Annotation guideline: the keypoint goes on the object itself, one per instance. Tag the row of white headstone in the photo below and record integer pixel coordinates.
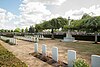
(11, 40)
(39, 36)
(95, 59)
(28, 38)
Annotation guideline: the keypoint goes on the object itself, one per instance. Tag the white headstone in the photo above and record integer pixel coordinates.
(35, 47)
(34, 39)
(14, 41)
(71, 57)
(44, 48)
(95, 61)
(55, 53)
(11, 40)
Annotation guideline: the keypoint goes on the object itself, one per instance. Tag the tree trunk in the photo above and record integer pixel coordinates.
(52, 37)
(95, 37)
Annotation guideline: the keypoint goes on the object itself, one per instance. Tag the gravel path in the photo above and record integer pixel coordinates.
(22, 51)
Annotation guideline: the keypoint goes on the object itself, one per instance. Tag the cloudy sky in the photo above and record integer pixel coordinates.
(23, 13)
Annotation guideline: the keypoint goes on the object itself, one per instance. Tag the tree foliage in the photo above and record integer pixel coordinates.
(88, 24)
(31, 29)
(38, 27)
(22, 30)
(52, 24)
(26, 30)
(17, 30)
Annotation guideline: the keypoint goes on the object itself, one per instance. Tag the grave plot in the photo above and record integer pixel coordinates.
(26, 38)
(44, 53)
(11, 41)
(54, 60)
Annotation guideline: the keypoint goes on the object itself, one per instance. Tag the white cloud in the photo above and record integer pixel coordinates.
(6, 19)
(34, 7)
(77, 14)
(2, 10)
(50, 2)
(32, 13)
(52, 16)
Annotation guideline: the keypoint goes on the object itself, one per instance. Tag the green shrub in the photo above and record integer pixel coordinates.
(80, 63)
(7, 41)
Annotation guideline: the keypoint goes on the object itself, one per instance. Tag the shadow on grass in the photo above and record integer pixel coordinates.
(49, 60)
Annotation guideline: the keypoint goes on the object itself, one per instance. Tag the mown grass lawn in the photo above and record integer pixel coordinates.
(85, 49)
(7, 59)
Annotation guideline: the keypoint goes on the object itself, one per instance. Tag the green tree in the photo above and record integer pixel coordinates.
(39, 27)
(31, 29)
(8, 31)
(17, 30)
(22, 30)
(62, 22)
(54, 24)
(45, 25)
(12, 31)
(93, 25)
(5, 30)
(88, 24)
(26, 30)
(85, 16)
(2, 30)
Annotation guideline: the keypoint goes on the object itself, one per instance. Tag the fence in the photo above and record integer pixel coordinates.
(95, 59)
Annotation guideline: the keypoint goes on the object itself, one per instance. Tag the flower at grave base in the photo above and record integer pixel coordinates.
(80, 63)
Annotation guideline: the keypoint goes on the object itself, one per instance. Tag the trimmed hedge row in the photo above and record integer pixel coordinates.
(77, 37)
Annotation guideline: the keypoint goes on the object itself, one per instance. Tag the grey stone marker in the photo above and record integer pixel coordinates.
(95, 61)
(55, 53)
(71, 57)
(36, 47)
(44, 48)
